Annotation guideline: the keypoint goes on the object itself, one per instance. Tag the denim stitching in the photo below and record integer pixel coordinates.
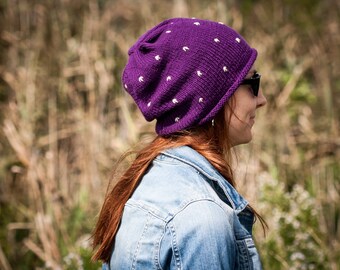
(147, 208)
(240, 207)
(244, 258)
(174, 246)
(134, 261)
(158, 250)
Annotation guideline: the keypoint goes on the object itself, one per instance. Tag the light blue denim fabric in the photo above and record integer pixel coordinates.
(184, 215)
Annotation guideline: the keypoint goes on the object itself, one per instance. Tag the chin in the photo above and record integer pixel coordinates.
(242, 140)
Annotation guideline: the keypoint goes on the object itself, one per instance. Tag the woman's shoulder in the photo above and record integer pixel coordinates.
(201, 234)
(170, 185)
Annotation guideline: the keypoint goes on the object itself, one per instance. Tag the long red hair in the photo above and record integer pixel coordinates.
(210, 140)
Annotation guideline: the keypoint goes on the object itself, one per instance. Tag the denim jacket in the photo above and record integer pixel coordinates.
(184, 215)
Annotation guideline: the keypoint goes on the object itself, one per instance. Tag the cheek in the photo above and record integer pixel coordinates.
(242, 115)
(242, 122)
(245, 104)
(240, 127)
(243, 110)
(239, 122)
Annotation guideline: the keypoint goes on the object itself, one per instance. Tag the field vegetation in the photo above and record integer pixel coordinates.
(65, 120)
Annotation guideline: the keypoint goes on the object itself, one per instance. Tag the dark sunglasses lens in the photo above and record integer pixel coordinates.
(254, 82)
(255, 86)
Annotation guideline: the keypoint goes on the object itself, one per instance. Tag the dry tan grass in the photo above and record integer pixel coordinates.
(65, 120)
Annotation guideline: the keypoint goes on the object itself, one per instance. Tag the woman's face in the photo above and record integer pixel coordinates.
(243, 112)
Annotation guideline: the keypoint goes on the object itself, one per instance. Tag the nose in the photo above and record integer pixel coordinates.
(261, 99)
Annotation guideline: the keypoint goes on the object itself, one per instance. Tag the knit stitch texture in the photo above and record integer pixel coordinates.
(183, 71)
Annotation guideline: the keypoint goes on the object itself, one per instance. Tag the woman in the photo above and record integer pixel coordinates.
(176, 207)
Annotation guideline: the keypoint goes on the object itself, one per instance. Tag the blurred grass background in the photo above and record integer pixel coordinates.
(64, 121)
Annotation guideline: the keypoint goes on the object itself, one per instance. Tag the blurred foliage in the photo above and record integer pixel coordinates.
(64, 121)
(295, 239)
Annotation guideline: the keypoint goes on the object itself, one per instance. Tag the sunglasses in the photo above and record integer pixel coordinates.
(254, 82)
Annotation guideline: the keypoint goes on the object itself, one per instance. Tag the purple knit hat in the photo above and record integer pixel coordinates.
(183, 71)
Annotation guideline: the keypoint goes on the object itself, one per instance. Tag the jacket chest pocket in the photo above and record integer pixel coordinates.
(248, 257)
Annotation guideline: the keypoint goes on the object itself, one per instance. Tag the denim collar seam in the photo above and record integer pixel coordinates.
(239, 208)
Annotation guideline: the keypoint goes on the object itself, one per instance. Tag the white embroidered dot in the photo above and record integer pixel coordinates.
(172, 23)
(174, 101)
(185, 48)
(141, 79)
(225, 69)
(220, 22)
(200, 100)
(176, 119)
(168, 32)
(238, 40)
(157, 57)
(168, 78)
(197, 23)
(125, 86)
(149, 104)
(199, 73)
(216, 40)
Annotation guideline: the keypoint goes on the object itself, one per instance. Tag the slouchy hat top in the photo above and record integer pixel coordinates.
(183, 71)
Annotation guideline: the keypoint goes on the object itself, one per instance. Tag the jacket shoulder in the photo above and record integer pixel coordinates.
(169, 185)
(206, 230)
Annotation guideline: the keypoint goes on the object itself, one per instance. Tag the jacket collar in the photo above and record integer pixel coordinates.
(201, 164)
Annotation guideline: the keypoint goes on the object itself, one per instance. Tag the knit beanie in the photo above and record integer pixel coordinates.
(183, 71)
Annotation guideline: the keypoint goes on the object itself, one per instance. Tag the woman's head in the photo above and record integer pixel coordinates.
(241, 109)
(183, 71)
